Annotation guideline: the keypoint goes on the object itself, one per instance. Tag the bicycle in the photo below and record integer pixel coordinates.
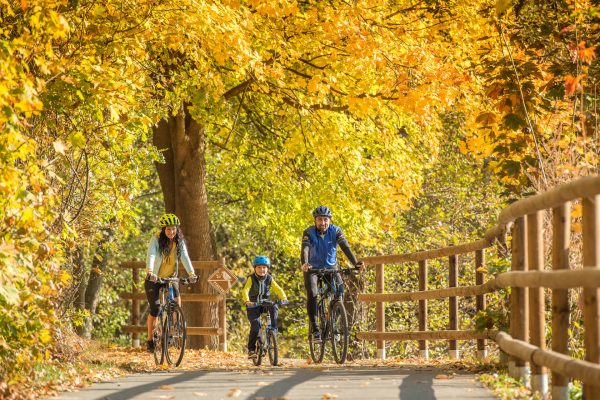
(331, 317)
(170, 331)
(266, 343)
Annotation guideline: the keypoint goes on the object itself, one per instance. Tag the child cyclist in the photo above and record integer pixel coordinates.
(257, 289)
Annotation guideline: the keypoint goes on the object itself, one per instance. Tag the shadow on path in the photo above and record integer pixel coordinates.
(147, 387)
(417, 384)
(280, 388)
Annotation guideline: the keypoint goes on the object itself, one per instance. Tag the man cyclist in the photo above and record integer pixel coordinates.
(319, 251)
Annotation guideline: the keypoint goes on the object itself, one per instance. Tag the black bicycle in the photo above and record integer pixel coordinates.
(331, 317)
(266, 343)
(170, 331)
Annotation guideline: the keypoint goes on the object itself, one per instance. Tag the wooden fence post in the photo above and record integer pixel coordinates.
(453, 352)
(380, 308)
(591, 311)
(519, 315)
(135, 308)
(561, 237)
(222, 306)
(537, 319)
(423, 345)
(480, 298)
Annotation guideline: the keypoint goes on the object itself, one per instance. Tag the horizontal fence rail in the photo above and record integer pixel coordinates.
(523, 221)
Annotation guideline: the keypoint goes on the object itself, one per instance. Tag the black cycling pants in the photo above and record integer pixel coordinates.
(253, 314)
(310, 284)
(152, 292)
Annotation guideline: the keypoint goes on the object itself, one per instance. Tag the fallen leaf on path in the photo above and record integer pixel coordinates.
(166, 387)
(442, 376)
(235, 392)
(262, 384)
(200, 394)
(328, 386)
(328, 396)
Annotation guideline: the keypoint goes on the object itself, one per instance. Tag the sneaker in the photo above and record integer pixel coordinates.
(251, 354)
(150, 346)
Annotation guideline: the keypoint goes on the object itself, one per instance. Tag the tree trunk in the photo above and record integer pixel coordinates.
(95, 282)
(182, 179)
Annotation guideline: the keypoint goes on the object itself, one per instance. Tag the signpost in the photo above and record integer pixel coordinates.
(222, 280)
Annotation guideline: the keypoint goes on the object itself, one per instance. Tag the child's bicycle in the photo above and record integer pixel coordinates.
(331, 317)
(170, 331)
(266, 343)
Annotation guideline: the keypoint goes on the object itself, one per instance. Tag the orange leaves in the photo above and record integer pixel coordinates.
(584, 54)
(572, 84)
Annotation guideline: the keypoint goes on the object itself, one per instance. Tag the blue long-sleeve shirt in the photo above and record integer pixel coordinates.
(319, 249)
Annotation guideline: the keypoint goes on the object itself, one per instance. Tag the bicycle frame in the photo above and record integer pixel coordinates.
(169, 330)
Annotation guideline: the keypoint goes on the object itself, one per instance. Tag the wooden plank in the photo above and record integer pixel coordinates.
(427, 255)
(480, 299)
(537, 321)
(453, 305)
(185, 297)
(591, 309)
(191, 330)
(584, 371)
(519, 316)
(380, 308)
(581, 188)
(417, 335)
(423, 278)
(459, 291)
(561, 238)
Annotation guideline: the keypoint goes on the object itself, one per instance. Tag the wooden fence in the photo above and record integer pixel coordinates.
(138, 295)
(525, 342)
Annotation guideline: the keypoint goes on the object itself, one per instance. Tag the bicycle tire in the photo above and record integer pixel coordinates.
(158, 339)
(339, 332)
(317, 349)
(175, 334)
(259, 349)
(272, 347)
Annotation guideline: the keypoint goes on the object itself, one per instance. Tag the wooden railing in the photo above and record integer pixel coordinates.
(525, 342)
(138, 295)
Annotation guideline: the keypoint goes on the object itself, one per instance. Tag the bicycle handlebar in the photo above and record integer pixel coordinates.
(324, 272)
(269, 303)
(183, 281)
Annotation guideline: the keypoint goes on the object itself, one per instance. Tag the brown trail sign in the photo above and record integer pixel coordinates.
(222, 280)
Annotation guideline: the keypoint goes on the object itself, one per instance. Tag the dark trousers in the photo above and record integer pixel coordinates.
(310, 284)
(254, 318)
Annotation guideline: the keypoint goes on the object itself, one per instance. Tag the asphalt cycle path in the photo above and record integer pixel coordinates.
(291, 383)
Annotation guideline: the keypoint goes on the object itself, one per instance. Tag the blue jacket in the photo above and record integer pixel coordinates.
(154, 258)
(322, 248)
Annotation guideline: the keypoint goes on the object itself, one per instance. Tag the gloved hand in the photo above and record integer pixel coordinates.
(193, 278)
(306, 267)
(250, 304)
(152, 277)
(284, 302)
(360, 265)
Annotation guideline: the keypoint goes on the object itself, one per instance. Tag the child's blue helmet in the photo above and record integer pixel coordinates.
(261, 260)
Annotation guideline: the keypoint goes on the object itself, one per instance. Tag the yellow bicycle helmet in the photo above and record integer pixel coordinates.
(168, 220)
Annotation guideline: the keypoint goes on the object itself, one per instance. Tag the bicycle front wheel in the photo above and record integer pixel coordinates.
(272, 347)
(257, 360)
(175, 335)
(339, 332)
(317, 348)
(158, 339)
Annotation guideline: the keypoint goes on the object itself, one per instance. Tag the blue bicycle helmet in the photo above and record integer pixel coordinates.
(261, 260)
(322, 211)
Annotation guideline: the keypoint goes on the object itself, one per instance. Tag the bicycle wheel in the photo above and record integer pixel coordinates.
(175, 335)
(272, 347)
(339, 332)
(158, 339)
(317, 349)
(259, 348)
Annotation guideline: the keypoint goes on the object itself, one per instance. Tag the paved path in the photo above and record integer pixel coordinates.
(405, 383)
